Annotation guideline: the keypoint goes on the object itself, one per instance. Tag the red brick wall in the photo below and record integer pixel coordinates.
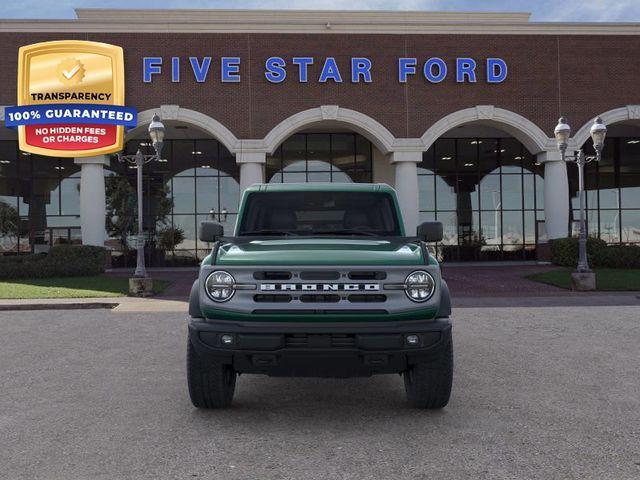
(578, 76)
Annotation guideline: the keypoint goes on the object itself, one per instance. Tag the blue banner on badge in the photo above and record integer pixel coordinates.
(71, 113)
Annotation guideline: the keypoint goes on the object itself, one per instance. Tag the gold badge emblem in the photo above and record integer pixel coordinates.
(86, 76)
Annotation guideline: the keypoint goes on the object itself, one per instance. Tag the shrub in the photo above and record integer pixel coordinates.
(61, 261)
(618, 256)
(181, 261)
(564, 252)
(169, 237)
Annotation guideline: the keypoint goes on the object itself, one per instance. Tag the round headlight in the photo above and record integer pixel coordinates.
(220, 286)
(419, 286)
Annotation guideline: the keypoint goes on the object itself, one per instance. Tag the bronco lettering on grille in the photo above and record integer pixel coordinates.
(324, 287)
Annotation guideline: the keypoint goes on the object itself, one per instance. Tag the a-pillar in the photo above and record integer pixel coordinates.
(251, 168)
(406, 185)
(92, 199)
(556, 194)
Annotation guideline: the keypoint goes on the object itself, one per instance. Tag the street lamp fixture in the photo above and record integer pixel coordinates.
(156, 133)
(598, 133)
(222, 216)
(562, 133)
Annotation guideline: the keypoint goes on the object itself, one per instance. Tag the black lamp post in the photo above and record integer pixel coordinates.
(156, 133)
(562, 133)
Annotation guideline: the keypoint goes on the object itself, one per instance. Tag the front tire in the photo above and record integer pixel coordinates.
(211, 384)
(428, 384)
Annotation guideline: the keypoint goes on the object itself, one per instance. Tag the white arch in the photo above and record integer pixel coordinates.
(622, 114)
(382, 138)
(531, 136)
(197, 119)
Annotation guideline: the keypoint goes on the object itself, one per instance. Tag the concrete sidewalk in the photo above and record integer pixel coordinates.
(117, 304)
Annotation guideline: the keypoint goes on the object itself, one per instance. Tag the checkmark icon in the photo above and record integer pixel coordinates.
(71, 73)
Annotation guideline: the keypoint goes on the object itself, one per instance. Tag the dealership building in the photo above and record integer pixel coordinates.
(455, 110)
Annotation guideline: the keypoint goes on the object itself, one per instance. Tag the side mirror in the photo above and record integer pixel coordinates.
(430, 231)
(210, 231)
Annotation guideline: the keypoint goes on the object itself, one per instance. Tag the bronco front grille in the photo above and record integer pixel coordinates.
(316, 289)
(319, 286)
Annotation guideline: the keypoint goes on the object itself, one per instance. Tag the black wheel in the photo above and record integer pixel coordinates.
(428, 384)
(211, 384)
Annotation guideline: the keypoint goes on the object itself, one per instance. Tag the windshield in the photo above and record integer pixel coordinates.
(320, 213)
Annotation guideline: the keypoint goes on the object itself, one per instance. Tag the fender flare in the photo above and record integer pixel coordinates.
(194, 300)
(445, 301)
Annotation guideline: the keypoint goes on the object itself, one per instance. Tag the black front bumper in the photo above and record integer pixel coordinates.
(320, 349)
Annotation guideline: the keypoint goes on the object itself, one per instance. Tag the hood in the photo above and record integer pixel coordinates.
(320, 251)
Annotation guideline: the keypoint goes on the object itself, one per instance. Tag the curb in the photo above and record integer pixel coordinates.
(57, 306)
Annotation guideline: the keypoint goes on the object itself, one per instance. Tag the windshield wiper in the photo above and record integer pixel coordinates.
(269, 231)
(347, 231)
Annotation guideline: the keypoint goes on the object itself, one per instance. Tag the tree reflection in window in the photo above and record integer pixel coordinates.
(321, 157)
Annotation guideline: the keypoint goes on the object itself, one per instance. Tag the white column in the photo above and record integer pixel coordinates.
(556, 194)
(93, 208)
(251, 168)
(383, 170)
(406, 185)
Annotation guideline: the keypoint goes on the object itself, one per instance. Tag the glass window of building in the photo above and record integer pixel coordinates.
(196, 180)
(39, 200)
(485, 192)
(321, 157)
(612, 192)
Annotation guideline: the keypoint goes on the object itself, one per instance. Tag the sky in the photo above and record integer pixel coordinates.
(542, 10)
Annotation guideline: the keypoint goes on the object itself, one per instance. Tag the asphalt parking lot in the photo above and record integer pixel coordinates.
(538, 393)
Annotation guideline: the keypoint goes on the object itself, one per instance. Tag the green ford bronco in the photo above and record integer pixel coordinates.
(319, 280)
